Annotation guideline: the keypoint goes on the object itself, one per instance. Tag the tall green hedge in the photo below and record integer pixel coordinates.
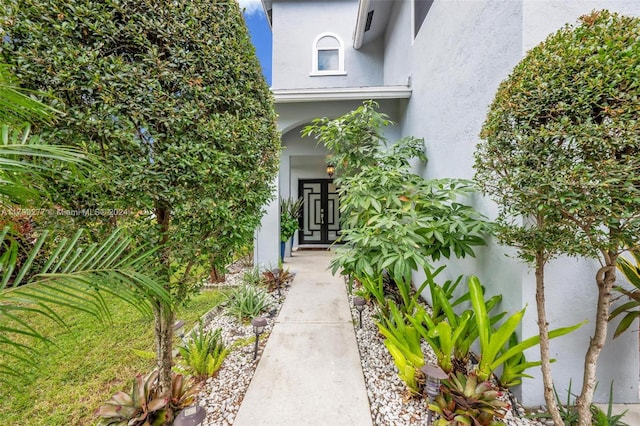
(169, 93)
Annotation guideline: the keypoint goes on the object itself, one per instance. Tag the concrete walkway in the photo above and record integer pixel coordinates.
(310, 372)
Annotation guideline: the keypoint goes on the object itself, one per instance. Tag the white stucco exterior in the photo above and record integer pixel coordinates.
(449, 74)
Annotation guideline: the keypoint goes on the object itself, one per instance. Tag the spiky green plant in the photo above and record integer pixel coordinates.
(403, 342)
(631, 272)
(247, 301)
(204, 352)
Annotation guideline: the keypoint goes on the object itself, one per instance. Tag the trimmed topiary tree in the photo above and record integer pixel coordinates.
(561, 158)
(170, 95)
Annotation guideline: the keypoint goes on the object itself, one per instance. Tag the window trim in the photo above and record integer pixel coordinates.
(314, 56)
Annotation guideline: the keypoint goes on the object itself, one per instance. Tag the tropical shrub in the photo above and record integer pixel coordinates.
(50, 272)
(562, 148)
(204, 352)
(247, 302)
(393, 220)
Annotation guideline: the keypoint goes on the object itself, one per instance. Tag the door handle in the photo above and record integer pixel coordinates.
(322, 216)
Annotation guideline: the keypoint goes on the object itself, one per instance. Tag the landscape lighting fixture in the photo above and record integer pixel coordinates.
(276, 276)
(359, 303)
(330, 170)
(190, 416)
(433, 374)
(258, 328)
(178, 328)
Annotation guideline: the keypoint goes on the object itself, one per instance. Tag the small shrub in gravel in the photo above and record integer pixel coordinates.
(204, 352)
(247, 301)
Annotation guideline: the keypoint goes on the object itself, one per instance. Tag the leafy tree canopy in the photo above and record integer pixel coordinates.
(562, 138)
(170, 94)
(561, 157)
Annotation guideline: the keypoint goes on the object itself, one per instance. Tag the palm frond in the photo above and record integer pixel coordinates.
(24, 157)
(16, 103)
(77, 275)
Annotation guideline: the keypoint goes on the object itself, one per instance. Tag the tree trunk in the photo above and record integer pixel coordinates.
(164, 320)
(605, 278)
(216, 276)
(164, 314)
(543, 331)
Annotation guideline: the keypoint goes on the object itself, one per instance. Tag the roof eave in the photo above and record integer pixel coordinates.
(267, 6)
(361, 21)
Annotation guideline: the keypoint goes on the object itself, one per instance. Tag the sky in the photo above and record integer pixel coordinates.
(260, 33)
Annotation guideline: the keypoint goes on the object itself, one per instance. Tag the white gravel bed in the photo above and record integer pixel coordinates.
(386, 392)
(222, 394)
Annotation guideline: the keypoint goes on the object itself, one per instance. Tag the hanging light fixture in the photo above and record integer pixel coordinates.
(330, 170)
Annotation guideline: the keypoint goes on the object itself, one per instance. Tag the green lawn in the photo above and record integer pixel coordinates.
(90, 362)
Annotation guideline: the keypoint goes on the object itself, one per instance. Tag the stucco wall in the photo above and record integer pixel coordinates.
(295, 26)
(463, 51)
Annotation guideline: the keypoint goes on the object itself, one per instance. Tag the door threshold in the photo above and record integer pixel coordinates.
(312, 247)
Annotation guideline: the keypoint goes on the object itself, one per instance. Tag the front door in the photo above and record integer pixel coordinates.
(320, 221)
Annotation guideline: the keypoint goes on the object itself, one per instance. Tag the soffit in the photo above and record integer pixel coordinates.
(373, 14)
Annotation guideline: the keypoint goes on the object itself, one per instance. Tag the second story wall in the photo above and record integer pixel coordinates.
(298, 27)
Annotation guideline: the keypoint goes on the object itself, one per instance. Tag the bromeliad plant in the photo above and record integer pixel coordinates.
(449, 334)
(466, 400)
(630, 310)
(493, 342)
(403, 342)
(441, 305)
(144, 405)
(442, 337)
(513, 368)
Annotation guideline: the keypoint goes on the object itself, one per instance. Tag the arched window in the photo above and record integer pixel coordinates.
(328, 55)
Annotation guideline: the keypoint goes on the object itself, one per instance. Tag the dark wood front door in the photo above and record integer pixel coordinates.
(320, 221)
